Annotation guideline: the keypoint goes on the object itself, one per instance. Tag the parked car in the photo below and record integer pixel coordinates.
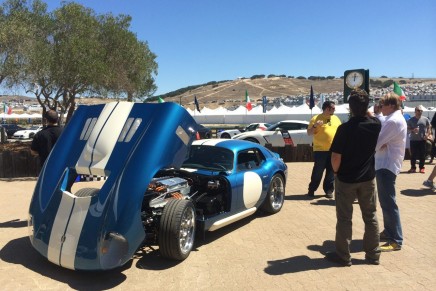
(27, 133)
(297, 130)
(11, 129)
(155, 193)
(232, 132)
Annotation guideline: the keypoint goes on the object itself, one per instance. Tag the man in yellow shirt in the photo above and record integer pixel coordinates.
(323, 128)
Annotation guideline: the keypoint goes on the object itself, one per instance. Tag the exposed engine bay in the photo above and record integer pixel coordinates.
(209, 194)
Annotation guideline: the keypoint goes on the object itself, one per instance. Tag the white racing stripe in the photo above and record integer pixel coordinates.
(103, 139)
(69, 220)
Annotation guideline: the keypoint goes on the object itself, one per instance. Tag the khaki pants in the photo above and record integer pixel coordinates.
(366, 194)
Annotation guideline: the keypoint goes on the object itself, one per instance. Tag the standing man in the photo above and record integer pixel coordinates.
(389, 157)
(44, 140)
(353, 150)
(419, 128)
(323, 128)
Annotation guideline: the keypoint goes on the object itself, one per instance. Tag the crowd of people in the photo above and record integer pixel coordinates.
(362, 159)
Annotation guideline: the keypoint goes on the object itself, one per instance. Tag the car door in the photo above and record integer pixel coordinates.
(251, 178)
(296, 130)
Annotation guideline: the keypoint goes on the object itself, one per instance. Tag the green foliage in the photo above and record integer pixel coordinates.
(301, 78)
(70, 52)
(316, 78)
(257, 77)
(376, 83)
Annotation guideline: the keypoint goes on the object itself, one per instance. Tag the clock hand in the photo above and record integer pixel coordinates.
(354, 77)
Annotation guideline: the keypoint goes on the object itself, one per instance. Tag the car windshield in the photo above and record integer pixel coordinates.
(209, 158)
(34, 127)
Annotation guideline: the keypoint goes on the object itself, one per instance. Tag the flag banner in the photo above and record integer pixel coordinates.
(247, 101)
(7, 109)
(197, 106)
(399, 92)
(160, 100)
(311, 99)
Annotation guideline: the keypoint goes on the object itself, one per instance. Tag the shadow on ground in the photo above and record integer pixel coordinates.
(317, 200)
(149, 257)
(417, 192)
(15, 223)
(20, 251)
(304, 263)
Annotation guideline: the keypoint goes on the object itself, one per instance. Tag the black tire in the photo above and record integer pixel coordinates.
(275, 197)
(177, 229)
(252, 139)
(225, 135)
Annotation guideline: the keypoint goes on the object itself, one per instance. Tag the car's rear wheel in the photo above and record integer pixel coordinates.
(177, 229)
(225, 135)
(275, 197)
(252, 139)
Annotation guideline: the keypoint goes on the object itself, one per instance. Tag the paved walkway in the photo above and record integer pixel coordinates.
(278, 252)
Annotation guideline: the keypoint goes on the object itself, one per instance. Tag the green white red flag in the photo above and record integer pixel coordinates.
(7, 109)
(247, 101)
(399, 92)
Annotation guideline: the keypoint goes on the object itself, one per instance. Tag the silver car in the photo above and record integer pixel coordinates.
(292, 132)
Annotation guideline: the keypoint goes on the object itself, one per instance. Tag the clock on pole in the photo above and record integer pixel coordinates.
(355, 79)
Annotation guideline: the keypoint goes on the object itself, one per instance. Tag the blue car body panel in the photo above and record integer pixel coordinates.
(238, 180)
(126, 142)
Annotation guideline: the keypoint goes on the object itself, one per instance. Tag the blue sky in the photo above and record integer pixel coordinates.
(198, 41)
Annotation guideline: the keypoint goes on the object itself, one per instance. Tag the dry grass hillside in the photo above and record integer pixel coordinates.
(232, 93)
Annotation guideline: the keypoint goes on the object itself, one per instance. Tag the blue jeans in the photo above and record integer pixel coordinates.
(391, 213)
(322, 162)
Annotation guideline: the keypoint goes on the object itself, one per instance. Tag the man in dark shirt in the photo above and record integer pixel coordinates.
(44, 140)
(353, 150)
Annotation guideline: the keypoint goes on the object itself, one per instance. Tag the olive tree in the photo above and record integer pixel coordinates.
(71, 52)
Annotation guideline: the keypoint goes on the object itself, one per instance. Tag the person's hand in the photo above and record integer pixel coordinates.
(318, 123)
(415, 130)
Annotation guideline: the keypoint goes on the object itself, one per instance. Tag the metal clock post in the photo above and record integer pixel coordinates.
(354, 79)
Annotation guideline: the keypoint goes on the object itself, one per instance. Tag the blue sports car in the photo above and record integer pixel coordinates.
(161, 186)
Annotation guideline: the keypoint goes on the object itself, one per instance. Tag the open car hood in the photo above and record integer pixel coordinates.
(125, 142)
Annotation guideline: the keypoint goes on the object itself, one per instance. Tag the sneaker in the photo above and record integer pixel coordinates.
(422, 170)
(311, 193)
(412, 170)
(372, 261)
(335, 258)
(390, 246)
(329, 194)
(429, 184)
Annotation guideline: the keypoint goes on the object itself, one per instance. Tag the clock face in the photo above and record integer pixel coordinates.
(354, 79)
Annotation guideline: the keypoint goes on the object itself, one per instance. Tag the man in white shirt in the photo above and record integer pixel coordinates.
(389, 157)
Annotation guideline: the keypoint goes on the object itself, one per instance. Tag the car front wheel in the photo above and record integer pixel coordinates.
(276, 195)
(225, 135)
(177, 229)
